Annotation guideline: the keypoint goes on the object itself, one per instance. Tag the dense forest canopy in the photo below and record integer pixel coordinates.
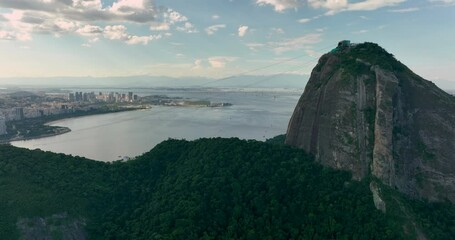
(203, 189)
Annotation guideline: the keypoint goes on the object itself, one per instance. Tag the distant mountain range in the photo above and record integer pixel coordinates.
(242, 81)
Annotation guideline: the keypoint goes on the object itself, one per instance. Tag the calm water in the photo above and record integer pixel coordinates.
(254, 115)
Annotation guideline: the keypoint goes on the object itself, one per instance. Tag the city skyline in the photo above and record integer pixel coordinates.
(110, 38)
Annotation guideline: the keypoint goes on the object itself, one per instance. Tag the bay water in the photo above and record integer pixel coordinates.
(255, 114)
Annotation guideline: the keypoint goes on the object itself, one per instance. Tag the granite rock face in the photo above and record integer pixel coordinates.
(365, 112)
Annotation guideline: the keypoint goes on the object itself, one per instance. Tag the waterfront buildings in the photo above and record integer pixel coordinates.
(103, 97)
(19, 113)
(2, 126)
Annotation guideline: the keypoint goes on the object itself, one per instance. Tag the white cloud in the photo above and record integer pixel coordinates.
(447, 2)
(255, 46)
(5, 35)
(89, 30)
(215, 17)
(144, 40)
(328, 4)
(404, 10)
(87, 4)
(119, 32)
(90, 10)
(197, 64)
(242, 31)
(14, 29)
(369, 5)
(334, 6)
(171, 18)
(304, 20)
(360, 31)
(214, 28)
(87, 18)
(15, 15)
(160, 26)
(94, 40)
(221, 61)
(280, 5)
(140, 11)
(175, 16)
(136, 10)
(295, 43)
(116, 32)
(127, 5)
(188, 28)
(65, 25)
(303, 42)
(312, 53)
(277, 30)
(23, 37)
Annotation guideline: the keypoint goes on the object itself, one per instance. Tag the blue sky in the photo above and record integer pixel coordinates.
(216, 38)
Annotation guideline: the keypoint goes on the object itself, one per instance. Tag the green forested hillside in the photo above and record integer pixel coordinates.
(36, 183)
(203, 189)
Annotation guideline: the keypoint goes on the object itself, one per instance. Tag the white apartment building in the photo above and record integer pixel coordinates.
(2, 125)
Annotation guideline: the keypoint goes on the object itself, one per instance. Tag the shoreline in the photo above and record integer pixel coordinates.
(59, 130)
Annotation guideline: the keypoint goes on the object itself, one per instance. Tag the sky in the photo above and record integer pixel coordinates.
(216, 38)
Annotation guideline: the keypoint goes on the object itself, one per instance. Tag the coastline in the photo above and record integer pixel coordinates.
(59, 130)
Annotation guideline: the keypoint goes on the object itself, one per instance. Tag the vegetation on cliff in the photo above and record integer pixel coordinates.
(368, 54)
(204, 189)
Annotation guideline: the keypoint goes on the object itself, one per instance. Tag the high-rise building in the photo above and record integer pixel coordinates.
(79, 96)
(71, 97)
(111, 97)
(130, 96)
(19, 113)
(3, 126)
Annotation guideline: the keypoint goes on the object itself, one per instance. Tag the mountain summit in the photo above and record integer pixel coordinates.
(365, 112)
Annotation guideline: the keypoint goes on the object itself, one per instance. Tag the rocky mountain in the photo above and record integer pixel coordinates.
(364, 111)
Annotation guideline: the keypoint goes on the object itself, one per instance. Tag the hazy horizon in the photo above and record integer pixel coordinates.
(290, 81)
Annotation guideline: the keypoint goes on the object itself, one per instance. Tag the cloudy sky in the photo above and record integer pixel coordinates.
(216, 38)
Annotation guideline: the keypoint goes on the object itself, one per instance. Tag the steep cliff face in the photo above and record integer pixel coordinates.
(365, 112)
